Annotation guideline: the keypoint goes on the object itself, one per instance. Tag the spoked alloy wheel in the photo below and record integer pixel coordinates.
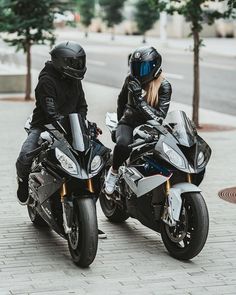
(74, 235)
(179, 233)
(83, 239)
(185, 240)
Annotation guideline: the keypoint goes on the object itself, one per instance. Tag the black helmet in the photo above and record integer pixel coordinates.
(69, 58)
(145, 64)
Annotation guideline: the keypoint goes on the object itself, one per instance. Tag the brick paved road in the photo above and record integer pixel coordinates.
(133, 259)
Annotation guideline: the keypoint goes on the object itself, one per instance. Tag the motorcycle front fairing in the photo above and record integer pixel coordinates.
(74, 151)
(178, 144)
(182, 147)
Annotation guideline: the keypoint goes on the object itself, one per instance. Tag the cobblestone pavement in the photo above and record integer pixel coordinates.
(133, 259)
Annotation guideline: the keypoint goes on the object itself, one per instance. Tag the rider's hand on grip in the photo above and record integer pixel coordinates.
(94, 130)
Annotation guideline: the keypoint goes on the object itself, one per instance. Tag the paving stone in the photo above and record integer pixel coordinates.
(133, 260)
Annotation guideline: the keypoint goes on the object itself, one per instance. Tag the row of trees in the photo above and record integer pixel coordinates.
(29, 22)
(196, 12)
(111, 13)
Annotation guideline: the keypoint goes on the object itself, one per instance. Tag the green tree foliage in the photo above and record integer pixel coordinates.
(145, 16)
(86, 10)
(28, 22)
(112, 12)
(197, 13)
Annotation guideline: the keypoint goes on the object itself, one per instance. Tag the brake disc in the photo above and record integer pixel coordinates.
(178, 232)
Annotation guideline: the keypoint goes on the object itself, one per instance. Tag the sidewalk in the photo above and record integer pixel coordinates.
(218, 46)
(133, 259)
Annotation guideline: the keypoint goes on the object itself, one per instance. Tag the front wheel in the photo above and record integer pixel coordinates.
(186, 240)
(83, 239)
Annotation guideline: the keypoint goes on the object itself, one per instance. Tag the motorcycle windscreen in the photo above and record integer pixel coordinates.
(182, 128)
(78, 132)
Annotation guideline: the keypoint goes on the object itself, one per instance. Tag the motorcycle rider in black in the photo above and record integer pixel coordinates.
(145, 91)
(58, 93)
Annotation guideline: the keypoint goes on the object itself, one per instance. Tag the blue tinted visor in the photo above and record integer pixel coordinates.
(142, 69)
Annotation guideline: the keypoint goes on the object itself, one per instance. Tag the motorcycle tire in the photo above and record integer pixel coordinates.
(83, 240)
(112, 210)
(186, 240)
(35, 217)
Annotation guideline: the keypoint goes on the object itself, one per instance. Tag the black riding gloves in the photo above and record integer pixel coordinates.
(142, 106)
(135, 88)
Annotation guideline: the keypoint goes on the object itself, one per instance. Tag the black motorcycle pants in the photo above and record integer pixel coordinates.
(124, 137)
(23, 163)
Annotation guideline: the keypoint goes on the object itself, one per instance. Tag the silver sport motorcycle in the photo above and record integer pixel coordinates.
(159, 183)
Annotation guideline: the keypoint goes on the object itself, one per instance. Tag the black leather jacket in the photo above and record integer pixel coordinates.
(57, 96)
(128, 111)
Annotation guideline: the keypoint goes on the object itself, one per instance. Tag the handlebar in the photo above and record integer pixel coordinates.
(36, 151)
(146, 140)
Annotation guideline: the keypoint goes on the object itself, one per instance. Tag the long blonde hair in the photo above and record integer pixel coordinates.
(152, 89)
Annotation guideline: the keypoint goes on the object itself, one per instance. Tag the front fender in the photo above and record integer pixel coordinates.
(186, 187)
(175, 200)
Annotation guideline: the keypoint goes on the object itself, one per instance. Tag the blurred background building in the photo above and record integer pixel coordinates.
(176, 26)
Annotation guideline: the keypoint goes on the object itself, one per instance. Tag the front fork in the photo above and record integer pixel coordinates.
(173, 205)
(67, 205)
(67, 209)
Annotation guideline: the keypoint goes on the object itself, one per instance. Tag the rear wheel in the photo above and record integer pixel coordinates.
(112, 210)
(186, 240)
(35, 217)
(83, 239)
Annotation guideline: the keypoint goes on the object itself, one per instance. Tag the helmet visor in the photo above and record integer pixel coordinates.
(77, 63)
(76, 74)
(75, 67)
(142, 69)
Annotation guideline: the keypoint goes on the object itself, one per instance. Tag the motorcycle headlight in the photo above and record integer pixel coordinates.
(173, 156)
(66, 162)
(96, 163)
(200, 159)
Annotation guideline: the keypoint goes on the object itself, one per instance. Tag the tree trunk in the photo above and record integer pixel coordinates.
(28, 76)
(196, 74)
(144, 39)
(86, 33)
(113, 33)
